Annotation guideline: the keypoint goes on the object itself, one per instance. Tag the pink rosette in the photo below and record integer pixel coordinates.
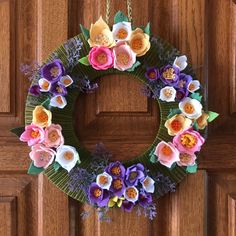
(42, 156)
(53, 136)
(186, 159)
(189, 141)
(33, 134)
(101, 58)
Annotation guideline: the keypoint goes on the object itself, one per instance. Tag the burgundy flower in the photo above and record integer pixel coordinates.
(127, 206)
(35, 90)
(58, 89)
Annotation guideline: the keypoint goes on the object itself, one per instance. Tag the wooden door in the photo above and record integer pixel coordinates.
(205, 203)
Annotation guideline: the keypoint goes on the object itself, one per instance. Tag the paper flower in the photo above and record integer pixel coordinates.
(34, 90)
(181, 93)
(167, 153)
(42, 156)
(104, 180)
(117, 187)
(101, 58)
(169, 75)
(124, 57)
(66, 80)
(167, 94)
(33, 134)
(44, 85)
(180, 62)
(134, 174)
(127, 206)
(53, 71)
(122, 31)
(58, 89)
(193, 86)
(139, 42)
(191, 108)
(202, 121)
(98, 196)
(115, 201)
(116, 169)
(58, 101)
(131, 194)
(177, 124)
(41, 116)
(53, 136)
(186, 159)
(67, 157)
(189, 141)
(148, 184)
(152, 74)
(100, 34)
(184, 81)
(145, 199)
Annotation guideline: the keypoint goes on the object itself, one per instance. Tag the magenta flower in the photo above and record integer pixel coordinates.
(189, 141)
(53, 136)
(101, 58)
(33, 134)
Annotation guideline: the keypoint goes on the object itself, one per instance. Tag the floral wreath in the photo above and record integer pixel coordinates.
(93, 177)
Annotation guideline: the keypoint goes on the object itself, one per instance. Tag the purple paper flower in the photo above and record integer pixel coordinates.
(116, 170)
(169, 75)
(35, 90)
(127, 206)
(98, 195)
(58, 89)
(181, 94)
(145, 199)
(53, 70)
(152, 74)
(184, 81)
(117, 187)
(133, 174)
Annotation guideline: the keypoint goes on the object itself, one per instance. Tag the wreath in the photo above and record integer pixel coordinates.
(94, 177)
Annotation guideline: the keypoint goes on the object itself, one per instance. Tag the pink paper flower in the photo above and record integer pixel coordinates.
(189, 141)
(53, 136)
(124, 57)
(33, 134)
(42, 156)
(101, 58)
(186, 159)
(167, 153)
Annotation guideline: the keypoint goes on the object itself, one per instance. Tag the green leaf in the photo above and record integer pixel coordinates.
(84, 61)
(212, 116)
(135, 65)
(18, 131)
(46, 103)
(174, 112)
(196, 96)
(119, 17)
(85, 32)
(56, 166)
(153, 159)
(195, 126)
(173, 166)
(147, 29)
(33, 170)
(192, 169)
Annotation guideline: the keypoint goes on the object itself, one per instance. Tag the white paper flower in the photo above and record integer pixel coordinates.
(191, 108)
(131, 194)
(122, 31)
(67, 157)
(168, 94)
(66, 80)
(44, 85)
(193, 86)
(180, 62)
(58, 101)
(148, 184)
(104, 180)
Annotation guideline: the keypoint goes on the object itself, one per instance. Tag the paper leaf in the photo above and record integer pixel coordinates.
(135, 65)
(85, 32)
(196, 96)
(46, 103)
(119, 17)
(84, 61)
(195, 126)
(153, 158)
(147, 29)
(173, 166)
(56, 166)
(33, 170)
(212, 116)
(192, 169)
(18, 131)
(174, 112)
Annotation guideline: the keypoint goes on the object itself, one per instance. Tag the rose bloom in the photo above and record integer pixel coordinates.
(42, 156)
(53, 136)
(139, 42)
(101, 35)
(186, 159)
(202, 120)
(101, 58)
(177, 124)
(167, 153)
(41, 116)
(189, 141)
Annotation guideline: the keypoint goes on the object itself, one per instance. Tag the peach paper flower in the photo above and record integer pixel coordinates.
(53, 136)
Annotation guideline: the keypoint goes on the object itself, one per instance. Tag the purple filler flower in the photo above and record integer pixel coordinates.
(35, 90)
(127, 206)
(145, 199)
(133, 174)
(58, 89)
(184, 81)
(152, 74)
(117, 187)
(169, 75)
(53, 70)
(98, 196)
(116, 170)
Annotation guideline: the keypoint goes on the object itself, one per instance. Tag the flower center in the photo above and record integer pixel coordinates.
(53, 136)
(117, 184)
(67, 81)
(184, 157)
(116, 170)
(123, 58)
(166, 150)
(59, 100)
(191, 87)
(54, 71)
(146, 182)
(131, 193)
(68, 156)
(35, 134)
(176, 125)
(189, 108)
(152, 75)
(44, 156)
(168, 93)
(133, 175)
(102, 58)
(182, 83)
(59, 89)
(42, 116)
(122, 34)
(102, 39)
(169, 74)
(97, 192)
(137, 44)
(188, 140)
(103, 180)
(45, 85)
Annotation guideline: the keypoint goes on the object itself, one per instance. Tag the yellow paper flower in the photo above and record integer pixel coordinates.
(115, 201)
(101, 35)
(177, 124)
(202, 120)
(42, 117)
(139, 42)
